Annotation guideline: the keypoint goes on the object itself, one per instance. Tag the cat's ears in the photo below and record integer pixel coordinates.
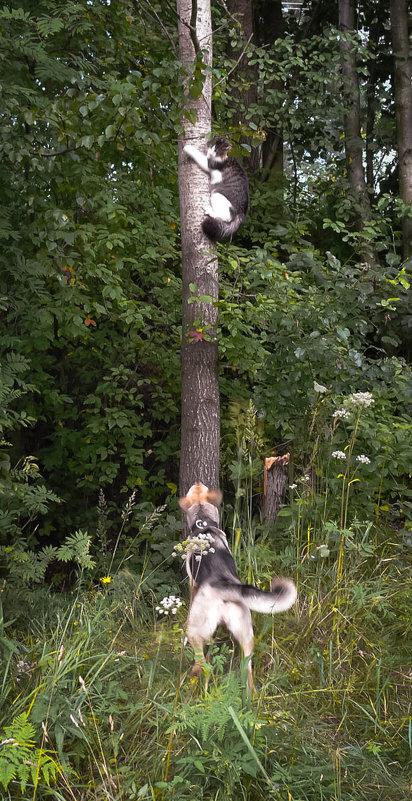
(199, 493)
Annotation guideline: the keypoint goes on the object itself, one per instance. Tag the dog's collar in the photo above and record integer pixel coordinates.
(203, 524)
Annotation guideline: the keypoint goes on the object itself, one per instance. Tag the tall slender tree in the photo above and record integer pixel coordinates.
(403, 105)
(353, 139)
(269, 25)
(200, 435)
(244, 91)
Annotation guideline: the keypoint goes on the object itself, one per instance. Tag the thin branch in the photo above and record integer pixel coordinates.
(55, 153)
(163, 27)
(237, 62)
(192, 27)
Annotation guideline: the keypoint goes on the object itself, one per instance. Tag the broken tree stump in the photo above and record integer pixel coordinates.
(275, 478)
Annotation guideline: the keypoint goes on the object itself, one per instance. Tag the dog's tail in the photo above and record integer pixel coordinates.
(217, 229)
(282, 595)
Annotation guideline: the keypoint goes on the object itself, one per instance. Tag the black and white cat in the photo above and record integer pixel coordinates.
(229, 189)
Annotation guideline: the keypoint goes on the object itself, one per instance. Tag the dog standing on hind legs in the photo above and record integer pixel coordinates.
(217, 594)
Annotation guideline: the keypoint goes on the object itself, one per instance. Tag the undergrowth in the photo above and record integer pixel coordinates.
(96, 698)
(95, 704)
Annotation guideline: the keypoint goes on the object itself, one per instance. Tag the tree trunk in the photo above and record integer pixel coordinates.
(403, 106)
(199, 458)
(245, 94)
(353, 139)
(269, 25)
(371, 104)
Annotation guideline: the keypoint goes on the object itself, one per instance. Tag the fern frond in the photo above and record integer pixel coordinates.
(75, 548)
(20, 758)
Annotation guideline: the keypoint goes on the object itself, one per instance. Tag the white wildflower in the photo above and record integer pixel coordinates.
(319, 388)
(24, 667)
(169, 603)
(341, 414)
(339, 455)
(363, 459)
(292, 486)
(360, 399)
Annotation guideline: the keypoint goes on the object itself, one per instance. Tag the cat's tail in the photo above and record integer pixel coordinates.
(216, 229)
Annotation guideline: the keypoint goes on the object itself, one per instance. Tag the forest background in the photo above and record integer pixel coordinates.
(313, 310)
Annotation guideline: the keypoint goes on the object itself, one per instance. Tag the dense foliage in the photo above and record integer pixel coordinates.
(90, 253)
(89, 221)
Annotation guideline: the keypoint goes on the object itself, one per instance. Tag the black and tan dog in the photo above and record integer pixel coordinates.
(217, 594)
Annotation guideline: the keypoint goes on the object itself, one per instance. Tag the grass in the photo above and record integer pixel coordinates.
(115, 714)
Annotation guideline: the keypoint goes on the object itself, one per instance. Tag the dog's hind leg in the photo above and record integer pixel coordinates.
(200, 663)
(201, 626)
(239, 622)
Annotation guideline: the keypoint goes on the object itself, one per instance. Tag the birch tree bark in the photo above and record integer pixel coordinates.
(200, 435)
(403, 107)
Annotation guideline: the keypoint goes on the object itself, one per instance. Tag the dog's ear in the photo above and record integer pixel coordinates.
(185, 503)
(215, 497)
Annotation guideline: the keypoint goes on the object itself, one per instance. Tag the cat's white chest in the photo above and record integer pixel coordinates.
(216, 177)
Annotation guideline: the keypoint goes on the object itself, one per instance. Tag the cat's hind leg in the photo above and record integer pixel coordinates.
(220, 208)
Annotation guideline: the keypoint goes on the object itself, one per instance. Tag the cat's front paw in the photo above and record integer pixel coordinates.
(190, 151)
(208, 211)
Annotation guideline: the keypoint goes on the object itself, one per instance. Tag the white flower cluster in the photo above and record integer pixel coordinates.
(339, 455)
(201, 543)
(23, 667)
(363, 459)
(170, 603)
(356, 400)
(341, 413)
(360, 399)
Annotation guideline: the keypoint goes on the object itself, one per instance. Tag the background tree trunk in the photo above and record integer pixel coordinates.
(371, 106)
(353, 140)
(200, 435)
(403, 106)
(269, 26)
(244, 96)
